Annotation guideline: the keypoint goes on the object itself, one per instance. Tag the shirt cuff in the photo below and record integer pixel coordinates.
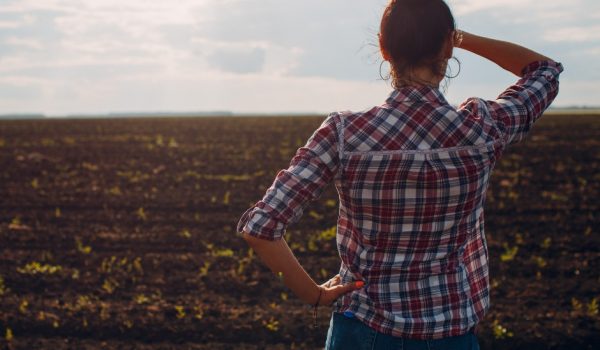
(257, 223)
(543, 68)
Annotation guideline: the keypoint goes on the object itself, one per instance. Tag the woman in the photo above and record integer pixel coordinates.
(411, 176)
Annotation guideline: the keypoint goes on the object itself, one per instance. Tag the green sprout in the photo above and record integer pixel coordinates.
(159, 140)
(313, 214)
(115, 191)
(576, 304)
(501, 332)
(141, 299)
(198, 312)
(180, 311)
(272, 324)
(546, 243)
(85, 249)
(509, 253)
(330, 203)
(592, 307)
(110, 285)
(185, 234)
(204, 269)
(226, 198)
(541, 262)
(35, 268)
(23, 306)
(2, 286)
(142, 214)
(9, 335)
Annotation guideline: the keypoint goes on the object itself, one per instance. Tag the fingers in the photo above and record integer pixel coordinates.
(349, 287)
(335, 291)
(334, 281)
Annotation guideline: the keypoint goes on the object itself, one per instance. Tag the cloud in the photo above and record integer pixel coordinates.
(18, 92)
(574, 34)
(246, 55)
(239, 61)
(466, 7)
(549, 15)
(26, 43)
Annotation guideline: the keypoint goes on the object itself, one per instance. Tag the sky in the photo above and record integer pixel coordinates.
(64, 57)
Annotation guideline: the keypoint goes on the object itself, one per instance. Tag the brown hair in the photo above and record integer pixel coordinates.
(413, 34)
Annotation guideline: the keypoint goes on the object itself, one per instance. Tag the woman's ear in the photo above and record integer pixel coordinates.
(384, 53)
(449, 46)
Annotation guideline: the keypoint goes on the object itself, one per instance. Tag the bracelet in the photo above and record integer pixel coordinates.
(315, 308)
(458, 37)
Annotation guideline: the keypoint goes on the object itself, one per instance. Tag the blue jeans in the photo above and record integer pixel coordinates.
(351, 334)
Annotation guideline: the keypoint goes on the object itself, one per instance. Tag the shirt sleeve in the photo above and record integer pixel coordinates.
(310, 170)
(517, 108)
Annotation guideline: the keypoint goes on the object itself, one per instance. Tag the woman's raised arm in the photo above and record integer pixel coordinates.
(512, 57)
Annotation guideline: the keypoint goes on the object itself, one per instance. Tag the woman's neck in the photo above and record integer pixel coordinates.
(421, 76)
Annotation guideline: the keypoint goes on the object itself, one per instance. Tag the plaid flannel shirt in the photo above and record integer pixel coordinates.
(411, 176)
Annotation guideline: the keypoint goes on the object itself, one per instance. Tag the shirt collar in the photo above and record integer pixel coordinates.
(415, 94)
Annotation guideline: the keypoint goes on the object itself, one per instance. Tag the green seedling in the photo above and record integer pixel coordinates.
(9, 335)
(501, 332)
(226, 198)
(592, 307)
(509, 253)
(84, 249)
(23, 306)
(576, 304)
(204, 269)
(180, 311)
(35, 268)
(540, 262)
(546, 243)
(110, 285)
(3, 289)
(141, 299)
(313, 214)
(272, 324)
(198, 312)
(142, 214)
(115, 191)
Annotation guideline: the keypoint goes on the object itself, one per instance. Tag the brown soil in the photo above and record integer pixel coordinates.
(121, 234)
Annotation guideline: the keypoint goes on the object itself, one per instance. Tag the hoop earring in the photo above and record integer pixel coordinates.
(380, 73)
(450, 69)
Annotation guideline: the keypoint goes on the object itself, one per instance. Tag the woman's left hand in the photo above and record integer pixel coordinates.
(333, 289)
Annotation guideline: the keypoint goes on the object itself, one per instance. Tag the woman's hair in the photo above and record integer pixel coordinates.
(413, 33)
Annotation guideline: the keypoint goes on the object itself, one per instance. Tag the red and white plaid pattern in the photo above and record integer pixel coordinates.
(411, 176)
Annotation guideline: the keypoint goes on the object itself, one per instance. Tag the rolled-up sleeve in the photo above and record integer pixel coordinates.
(518, 107)
(310, 170)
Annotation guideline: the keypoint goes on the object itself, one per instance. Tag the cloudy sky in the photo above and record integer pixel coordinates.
(99, 56)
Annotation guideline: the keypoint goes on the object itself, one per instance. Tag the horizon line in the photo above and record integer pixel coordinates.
(218, 113)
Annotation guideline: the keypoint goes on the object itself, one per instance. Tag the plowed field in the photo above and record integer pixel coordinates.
(120, 233)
